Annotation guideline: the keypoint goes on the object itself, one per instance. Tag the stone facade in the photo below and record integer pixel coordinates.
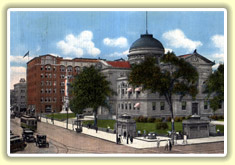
(19, 102)
(136, 102)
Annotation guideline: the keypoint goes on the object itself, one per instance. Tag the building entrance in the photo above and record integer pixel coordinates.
(194, 108)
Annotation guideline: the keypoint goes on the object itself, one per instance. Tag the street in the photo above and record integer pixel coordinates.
(69, 142)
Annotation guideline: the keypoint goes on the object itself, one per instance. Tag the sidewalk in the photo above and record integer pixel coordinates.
(138, 142)
(217, 122)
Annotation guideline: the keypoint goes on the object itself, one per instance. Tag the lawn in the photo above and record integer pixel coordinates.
(148, 127)
(61, 116)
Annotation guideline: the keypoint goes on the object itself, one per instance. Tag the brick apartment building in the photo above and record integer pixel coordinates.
(46, 80)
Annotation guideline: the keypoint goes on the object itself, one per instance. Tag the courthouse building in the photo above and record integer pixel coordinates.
(46, 78)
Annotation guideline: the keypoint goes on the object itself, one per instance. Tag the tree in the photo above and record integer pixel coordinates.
(90, 89)
(215, 88)
(174, 76)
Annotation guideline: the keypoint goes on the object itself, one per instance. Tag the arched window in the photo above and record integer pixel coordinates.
(69, 68)
(77, 69)
(62, 68)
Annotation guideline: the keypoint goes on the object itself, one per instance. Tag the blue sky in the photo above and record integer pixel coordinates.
(109, 34)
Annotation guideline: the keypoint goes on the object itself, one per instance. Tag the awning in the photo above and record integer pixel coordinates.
(129, 90)
(137, 105)
(138, 89)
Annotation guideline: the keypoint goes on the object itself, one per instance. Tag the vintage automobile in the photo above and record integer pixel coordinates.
(14, 136)
(152, 135)
(41, 141)
(17, 144)
(28, 136)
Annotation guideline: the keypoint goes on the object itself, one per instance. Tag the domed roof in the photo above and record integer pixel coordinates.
(147, 41)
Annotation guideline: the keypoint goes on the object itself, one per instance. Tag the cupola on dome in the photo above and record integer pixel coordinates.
(146, 41)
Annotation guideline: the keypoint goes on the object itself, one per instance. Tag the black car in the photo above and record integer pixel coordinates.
(28, 136)
(41, 141)
(152, 135)
(17, 144)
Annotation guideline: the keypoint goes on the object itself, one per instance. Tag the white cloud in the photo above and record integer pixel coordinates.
(177, 39)
(218, 42)
(116, 42)
(19, 59)
(16, 73)
(214, 67)
(119, 54)
(78, 45)
(168, 50)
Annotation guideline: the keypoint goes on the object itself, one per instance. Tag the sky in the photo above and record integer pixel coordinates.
(109, 34)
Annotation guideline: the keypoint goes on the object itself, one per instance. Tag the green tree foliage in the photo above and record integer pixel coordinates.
(174, 77)
(215, 87)
(90, 89)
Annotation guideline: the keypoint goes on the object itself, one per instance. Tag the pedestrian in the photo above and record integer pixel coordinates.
(120, 139)
(127, 140)
(158, 142)
(166, 146)
(170, 145)
(144, 134)
(124, 135)
(96, 129)
(131, 139)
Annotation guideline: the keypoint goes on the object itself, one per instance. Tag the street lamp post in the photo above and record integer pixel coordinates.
(53, 116)
(67, 117)
(116, 125)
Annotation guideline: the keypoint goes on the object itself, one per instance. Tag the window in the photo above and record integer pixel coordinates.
(42, 91)
(62, 91)
(54, 90)
(70, 68)
(183, 105)
(77, 69)
(162, 105)
(41, 67)
(122, 106)
(129, 106)
(54, 99)
(126, 106)
(62, 68)
(54, 83)
(62, 84)
(54, 75)
(48, 67)
(122, 91)
(205, 104)
(153, 106)
(42, 75)
(41, 99)
(134, 106)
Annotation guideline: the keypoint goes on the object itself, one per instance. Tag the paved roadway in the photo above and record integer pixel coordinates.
(69, 142)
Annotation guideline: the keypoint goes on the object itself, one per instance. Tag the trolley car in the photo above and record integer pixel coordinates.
(28, 122)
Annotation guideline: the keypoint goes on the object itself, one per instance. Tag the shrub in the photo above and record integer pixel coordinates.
(177, 119)
(158, 120)
(161, 125)
(151, 120)
(142, 119)
(168, 119)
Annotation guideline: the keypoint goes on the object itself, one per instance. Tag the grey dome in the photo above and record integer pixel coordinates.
(146, 41)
